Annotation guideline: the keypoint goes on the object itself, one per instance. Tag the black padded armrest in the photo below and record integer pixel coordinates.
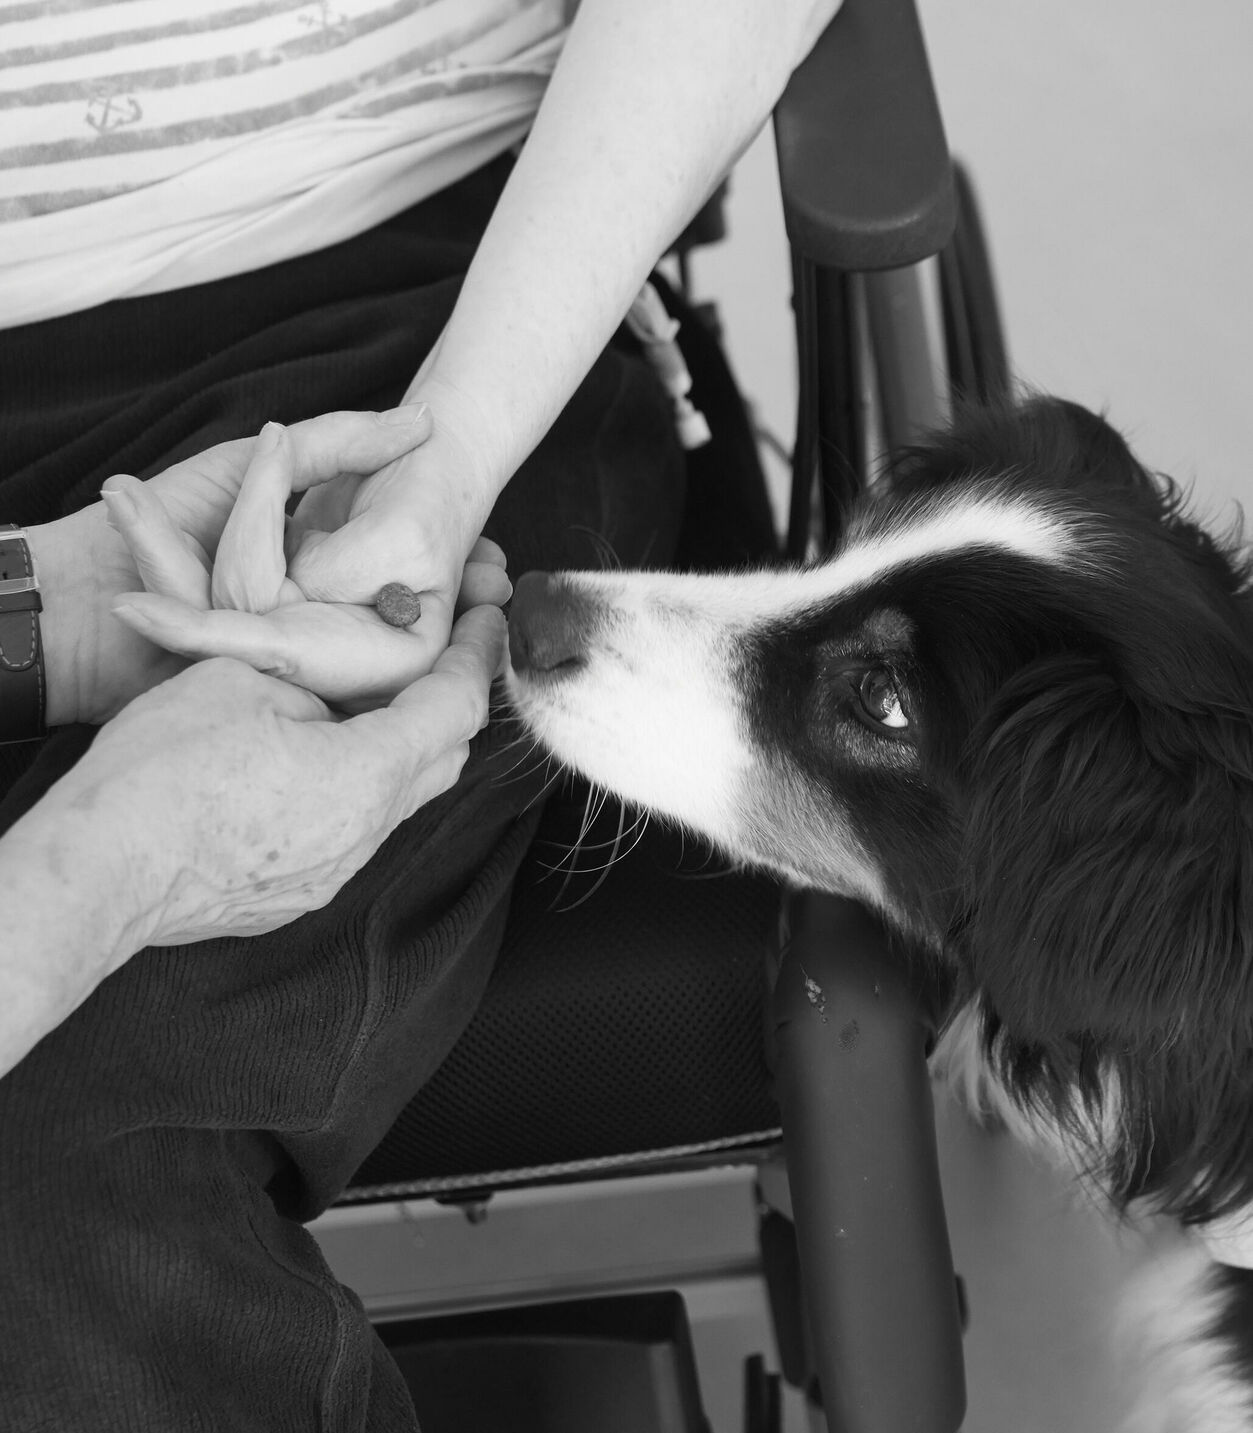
(859, 1136)
(863, 162)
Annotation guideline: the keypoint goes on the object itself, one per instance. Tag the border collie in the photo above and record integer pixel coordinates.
(1013, 712)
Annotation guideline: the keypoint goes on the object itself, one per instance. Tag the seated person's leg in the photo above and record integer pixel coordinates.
(162, 1145)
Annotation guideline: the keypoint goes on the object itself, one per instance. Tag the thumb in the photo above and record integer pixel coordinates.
(448, 705)
(472, 658)
(422, 739)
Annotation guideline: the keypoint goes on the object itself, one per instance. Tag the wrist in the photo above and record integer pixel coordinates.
(71, 840)
(71, 917)
(468, 440)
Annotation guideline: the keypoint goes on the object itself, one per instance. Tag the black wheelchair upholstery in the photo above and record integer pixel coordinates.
(621, 1033)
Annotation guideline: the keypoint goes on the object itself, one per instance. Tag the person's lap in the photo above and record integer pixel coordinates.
(162, 1146)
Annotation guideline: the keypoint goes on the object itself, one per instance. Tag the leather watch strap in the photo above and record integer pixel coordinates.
(22, 692)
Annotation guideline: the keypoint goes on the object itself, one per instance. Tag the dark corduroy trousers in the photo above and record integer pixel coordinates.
(159, 1151)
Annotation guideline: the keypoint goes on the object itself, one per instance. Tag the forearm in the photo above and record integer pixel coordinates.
(652, 102)
(69, 919)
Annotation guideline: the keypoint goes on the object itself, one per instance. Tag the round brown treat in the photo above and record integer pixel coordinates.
(398, 605)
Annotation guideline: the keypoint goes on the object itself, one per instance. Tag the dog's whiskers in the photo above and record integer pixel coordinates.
(637, 829)
(567, 865)
(607, 556)
(558, 771)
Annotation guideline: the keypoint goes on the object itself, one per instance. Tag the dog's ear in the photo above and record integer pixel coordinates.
(1109, 906)
(1107, 848)
(1073, 440)
(1070, 444)
(1086, 452)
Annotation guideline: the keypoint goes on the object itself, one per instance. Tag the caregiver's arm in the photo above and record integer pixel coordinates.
(651, 103)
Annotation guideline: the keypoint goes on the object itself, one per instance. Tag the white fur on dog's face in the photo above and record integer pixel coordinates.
(661, 702)
(674, 746)
(656, 712)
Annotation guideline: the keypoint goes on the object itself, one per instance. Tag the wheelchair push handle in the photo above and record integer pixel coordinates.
(863, 162)
(877, 1275)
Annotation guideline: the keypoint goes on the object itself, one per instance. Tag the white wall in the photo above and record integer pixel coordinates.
(1112, 147)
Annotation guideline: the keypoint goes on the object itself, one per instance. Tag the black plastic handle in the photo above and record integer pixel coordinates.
(863, 162)
(851, 1043)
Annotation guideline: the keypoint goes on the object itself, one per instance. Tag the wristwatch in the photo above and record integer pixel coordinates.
(22, 688)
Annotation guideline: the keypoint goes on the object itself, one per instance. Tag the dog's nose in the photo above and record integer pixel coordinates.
(548, 625)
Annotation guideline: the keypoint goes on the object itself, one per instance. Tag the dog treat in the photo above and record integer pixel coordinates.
(398, 605)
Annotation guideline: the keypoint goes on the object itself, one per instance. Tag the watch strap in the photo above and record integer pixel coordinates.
(22, 687)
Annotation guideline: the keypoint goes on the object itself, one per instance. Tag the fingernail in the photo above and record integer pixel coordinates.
(116, 504)
(130, 615)
(268, 438)
(406, 413)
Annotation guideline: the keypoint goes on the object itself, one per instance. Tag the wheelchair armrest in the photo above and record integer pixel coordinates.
(859, 1134)
(863, 162)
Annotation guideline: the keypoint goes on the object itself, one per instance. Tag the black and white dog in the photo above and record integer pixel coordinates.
(1014, 713)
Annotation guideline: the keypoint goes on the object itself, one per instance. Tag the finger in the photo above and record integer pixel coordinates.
(324, 447)
(225, 632)
(250, 571)
(234, 685)
(475, 644)
(482, 583)
(460, 681)
(168, 561)
(485, 550)
(428, 726)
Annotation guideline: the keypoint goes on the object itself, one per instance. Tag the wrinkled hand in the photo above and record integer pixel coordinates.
(237, 802)
(96, 664)
(248, 608)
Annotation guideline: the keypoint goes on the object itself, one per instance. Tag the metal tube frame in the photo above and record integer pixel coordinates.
(873, 377)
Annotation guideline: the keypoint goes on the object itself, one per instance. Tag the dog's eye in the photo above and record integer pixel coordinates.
(880, 700)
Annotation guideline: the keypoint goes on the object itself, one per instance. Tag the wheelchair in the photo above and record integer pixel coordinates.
(676, 1042)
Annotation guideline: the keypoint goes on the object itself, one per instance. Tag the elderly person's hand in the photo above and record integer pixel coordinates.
(220, 802)
(95, 663)
(248, 608)
(416, 520)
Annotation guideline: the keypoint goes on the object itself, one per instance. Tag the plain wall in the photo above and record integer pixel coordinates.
(1111, 145)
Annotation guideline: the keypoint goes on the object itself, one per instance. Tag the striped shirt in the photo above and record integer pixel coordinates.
(151, 144)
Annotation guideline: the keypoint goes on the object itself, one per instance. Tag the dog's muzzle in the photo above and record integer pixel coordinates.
(549, 625)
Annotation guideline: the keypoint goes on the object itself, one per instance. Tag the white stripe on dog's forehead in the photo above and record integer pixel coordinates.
(996, 521)
(879, 544)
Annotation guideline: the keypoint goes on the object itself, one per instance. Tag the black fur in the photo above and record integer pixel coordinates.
(1058, 810)
(1079, 831)
(1235, 1323)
